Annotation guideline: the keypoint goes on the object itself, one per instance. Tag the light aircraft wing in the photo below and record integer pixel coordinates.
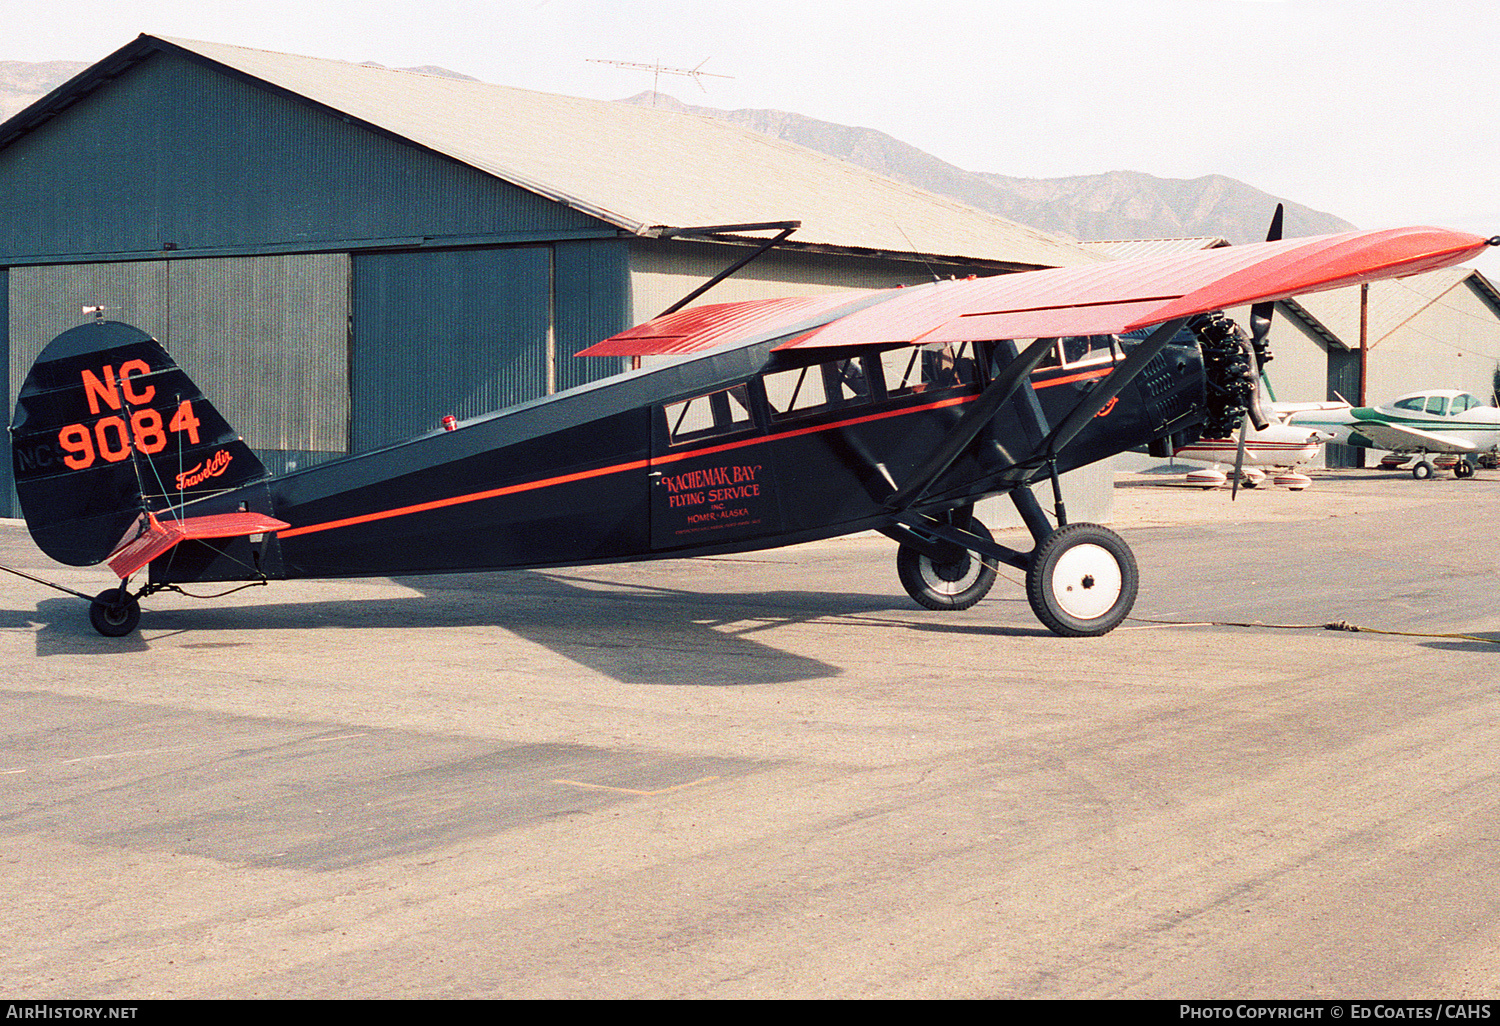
(1095, 299)
(1404, 438)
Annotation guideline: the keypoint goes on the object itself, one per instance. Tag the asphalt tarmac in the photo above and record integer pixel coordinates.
(775, 776)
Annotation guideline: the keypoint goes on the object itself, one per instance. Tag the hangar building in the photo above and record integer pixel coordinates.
(342, 254)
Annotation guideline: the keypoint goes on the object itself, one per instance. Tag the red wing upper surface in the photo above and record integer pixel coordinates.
(1095, 299)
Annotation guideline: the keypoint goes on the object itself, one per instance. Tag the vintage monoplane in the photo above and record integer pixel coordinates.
(788, 420)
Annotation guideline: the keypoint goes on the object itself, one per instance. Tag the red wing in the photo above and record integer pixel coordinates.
(1096, 299)
(1108, 298)
(699, 328)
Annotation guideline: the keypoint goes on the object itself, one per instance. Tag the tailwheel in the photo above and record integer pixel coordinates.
(955, 583)
(1082, 581)
(115, 613)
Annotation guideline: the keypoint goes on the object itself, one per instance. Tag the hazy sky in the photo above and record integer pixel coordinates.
(1380, 112)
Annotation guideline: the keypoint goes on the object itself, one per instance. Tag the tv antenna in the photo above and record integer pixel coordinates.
(657, 70)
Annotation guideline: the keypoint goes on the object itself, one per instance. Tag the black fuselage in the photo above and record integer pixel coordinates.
(735, 450)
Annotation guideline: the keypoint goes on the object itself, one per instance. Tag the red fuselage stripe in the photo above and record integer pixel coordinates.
(619, 468)
(457, 500)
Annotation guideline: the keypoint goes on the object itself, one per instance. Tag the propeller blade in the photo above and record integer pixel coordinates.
(1260, 327)
(1260, 313)
(1239, 459)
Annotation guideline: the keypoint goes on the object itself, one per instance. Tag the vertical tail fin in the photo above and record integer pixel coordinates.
(106, 426)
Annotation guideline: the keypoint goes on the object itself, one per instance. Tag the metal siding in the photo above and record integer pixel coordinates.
(173, 152)
(45, 301)
(1343, 381)
(637, 167)
(271, 335)
(8, 506)
(436, 333)
(591, 302)
(265, 338)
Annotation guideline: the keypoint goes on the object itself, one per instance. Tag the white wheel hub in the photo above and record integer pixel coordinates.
(1086, 581)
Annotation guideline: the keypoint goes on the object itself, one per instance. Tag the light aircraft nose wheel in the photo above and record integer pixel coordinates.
(1463, 468)
(1082, 581)
(954, 584)
(114, 616)
(1422, 471)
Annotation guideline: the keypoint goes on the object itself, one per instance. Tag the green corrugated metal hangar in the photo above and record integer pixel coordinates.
(342, 254)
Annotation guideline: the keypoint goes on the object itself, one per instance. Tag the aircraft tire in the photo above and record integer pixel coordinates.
(946, 586)
(113, 618)
(1422, 471)
(1083, 581)
(1463, 468)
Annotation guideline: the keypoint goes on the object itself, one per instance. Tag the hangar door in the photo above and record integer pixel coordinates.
(448, 332)
(1343, 383)
(265, 338)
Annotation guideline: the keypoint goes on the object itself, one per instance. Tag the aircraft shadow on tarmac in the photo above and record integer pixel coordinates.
(634, 632)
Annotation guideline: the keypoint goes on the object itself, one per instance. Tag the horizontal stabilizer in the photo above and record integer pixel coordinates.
(152, 537)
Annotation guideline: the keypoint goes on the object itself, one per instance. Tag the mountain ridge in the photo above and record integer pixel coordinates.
(1111, 206)
(1106, 207)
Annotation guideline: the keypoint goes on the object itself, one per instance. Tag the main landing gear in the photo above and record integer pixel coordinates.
(1081, 579)
(1425, 467)
(955, 580)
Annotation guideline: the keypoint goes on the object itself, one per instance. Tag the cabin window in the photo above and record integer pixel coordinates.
(1438, 405)
(927, 368)
(706, 415)
(850, 381)
(818, 387)
(1050, 359)
(1077, 349)
(1416, 403)
(796, 391)
(1462, 404)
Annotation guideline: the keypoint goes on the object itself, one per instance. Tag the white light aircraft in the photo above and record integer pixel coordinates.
(1437, 420)
(1278, 446)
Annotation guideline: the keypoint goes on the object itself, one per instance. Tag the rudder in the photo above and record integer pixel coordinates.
(106, 426)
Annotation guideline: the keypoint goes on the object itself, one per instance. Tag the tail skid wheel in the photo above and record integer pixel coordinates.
(956, 584)
(114, 616)
(1083, 581)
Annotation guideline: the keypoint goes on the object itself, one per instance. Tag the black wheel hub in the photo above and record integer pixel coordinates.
(953, 569)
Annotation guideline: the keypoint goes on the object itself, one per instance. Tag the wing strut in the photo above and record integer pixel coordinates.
(971, 424)
(1099, 396)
